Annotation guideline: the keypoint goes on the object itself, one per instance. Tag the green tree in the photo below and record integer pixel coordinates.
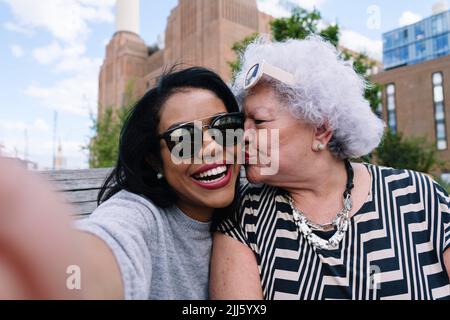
(239, 49)
(301, 24)
(407, 153)
(104, 146)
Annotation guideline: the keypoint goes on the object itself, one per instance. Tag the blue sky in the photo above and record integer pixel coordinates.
(51, 51)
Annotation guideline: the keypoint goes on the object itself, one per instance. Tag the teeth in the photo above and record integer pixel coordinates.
(212, 172)
(212, 181)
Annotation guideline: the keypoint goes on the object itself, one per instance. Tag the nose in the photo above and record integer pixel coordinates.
(211, 147)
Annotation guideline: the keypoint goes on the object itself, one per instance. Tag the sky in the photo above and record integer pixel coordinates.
(51, 52)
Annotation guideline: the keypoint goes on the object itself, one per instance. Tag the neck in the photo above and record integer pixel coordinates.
(320, 179)
(201, 214)
(319, 188)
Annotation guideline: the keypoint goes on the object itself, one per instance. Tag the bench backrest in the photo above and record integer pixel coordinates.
(79, 187)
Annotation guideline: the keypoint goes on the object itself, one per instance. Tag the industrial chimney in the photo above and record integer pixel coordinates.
(440, 6)
(128, 16)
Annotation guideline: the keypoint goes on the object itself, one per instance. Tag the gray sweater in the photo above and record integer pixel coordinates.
(162, 253)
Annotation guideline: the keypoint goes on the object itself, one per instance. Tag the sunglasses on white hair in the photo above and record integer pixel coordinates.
(256, 72)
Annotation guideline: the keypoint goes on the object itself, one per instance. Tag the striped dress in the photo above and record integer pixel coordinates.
(393, 249)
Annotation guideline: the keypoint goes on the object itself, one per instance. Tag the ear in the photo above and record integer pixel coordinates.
(322, 136)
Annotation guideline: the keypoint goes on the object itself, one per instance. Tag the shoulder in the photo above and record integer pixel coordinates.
(408, 182)
(129, 208)
(260, 201)
(129, 200)
(252, 195)
(391, 174)
(400, 178)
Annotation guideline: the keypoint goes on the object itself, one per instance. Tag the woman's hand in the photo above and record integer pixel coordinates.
(234, 271)
(38, 245)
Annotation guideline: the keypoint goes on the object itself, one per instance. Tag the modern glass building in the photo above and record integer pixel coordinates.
(423, 41)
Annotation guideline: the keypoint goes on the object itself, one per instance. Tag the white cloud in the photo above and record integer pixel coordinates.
(17, 51)
(54, 53)
(48, 54)
(69, 23)
(38, 126)
(360, 43)
(77, 94)
(66, 20)
(283, 8)
(10, 26)
(408, 18)
(81, 65)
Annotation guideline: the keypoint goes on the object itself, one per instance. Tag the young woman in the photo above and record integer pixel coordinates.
(150, 237)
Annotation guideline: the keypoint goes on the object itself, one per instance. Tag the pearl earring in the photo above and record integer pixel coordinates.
(320, 147)
(160, 176)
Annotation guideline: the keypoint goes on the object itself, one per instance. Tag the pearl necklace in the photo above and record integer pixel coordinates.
(340, 223)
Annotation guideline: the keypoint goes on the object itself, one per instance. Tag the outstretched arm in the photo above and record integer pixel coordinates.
(38, 245)
(234, 271)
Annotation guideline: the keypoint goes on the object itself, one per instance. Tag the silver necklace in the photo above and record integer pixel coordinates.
(340, 223)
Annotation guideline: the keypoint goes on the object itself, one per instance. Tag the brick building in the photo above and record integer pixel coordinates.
(416, 93)
(198, 32)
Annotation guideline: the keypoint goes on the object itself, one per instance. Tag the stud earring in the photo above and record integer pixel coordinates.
(320, 147)
(160, 176)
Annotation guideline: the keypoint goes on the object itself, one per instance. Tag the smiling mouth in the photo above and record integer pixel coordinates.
(213, 175)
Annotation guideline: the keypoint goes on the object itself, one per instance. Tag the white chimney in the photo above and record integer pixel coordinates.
(440, 6)
(128, 15)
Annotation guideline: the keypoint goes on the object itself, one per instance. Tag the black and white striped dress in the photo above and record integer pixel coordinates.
(393, 249)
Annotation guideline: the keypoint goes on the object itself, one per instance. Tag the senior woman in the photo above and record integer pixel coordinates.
(324, 227)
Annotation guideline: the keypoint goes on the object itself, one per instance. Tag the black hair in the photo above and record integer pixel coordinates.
(139, 138)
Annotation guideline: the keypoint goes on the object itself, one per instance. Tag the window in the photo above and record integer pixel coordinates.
(438, 94)
(388, 59)
(380, 104)
(396, 57)
(442, 145)
(420, 31)
(405, 34)
(391, 107)
(439, 110)
(440, 115)
(440, 43)
(437, 78)
(440, 130)
(421, 49)
(403, 54)
(388, 41)
(437, 24)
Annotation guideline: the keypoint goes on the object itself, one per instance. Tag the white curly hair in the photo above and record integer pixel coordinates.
(327, 91)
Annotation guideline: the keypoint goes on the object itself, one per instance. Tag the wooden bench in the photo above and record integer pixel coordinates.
(79, 187)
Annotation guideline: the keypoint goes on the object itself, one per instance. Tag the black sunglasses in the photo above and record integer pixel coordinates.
(225, 124)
